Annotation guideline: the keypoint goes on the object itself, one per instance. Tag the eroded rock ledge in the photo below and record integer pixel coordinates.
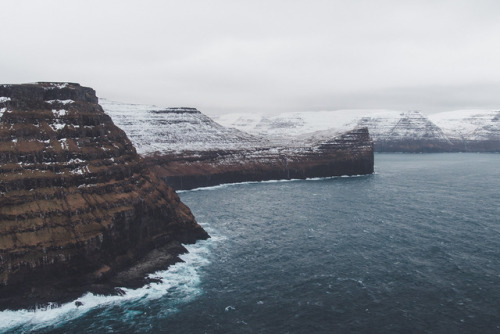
(189, 149)
(78, 207)
(348, 154)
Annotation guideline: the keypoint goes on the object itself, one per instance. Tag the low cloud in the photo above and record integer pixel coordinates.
(267, 56)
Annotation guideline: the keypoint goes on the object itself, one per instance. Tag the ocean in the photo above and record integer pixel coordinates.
(413, 248)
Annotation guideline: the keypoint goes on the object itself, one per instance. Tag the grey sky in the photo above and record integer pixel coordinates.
(263, 56)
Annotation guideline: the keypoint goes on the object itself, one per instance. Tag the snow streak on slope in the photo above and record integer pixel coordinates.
(469, 124)
(165, 130)
(299, 123)
(384, 125)
(411, 126)
(152, 129)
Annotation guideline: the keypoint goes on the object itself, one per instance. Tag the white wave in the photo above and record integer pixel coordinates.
(183, 277)
(226, 185)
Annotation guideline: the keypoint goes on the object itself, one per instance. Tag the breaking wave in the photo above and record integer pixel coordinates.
(180, 283)
(226, 185)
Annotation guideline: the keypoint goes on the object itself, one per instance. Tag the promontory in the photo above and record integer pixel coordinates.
(78, 207)
(87, 206)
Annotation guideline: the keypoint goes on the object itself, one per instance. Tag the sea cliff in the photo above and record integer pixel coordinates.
(190, 150)
(79, 209)
(349, 154)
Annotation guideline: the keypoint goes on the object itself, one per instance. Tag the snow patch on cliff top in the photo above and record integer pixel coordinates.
(64, 102)
(54, 85)
(59, 113)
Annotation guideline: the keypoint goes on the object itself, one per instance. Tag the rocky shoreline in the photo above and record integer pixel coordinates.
(82, 211)
(79, 209)
(55, 292)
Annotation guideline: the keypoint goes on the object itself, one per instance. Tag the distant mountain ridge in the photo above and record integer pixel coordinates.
(392, 131)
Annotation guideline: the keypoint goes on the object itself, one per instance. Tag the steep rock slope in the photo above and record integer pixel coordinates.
(189, 150)
(474, 130)
(399, 132)
(410, 132)
(77, 205)
(348, 154)
(166, 130)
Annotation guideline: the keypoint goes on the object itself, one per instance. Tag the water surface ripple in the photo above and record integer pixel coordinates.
(413, 248)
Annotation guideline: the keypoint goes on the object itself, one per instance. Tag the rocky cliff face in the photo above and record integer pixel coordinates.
(349, 154)
(189, 150)
(78, 208)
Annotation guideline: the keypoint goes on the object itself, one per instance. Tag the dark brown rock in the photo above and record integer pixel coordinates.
(78, 207)
(349, 154)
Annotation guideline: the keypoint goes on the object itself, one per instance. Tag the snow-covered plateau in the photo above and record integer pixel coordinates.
(168, 130)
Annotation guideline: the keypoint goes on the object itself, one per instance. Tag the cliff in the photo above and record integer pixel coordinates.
(78, 207)
(189, 150)
(349, 154)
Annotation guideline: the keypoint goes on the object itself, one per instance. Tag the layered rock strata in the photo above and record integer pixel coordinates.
(189, 150)
(78, 207)
(349, 154)
(412, 132)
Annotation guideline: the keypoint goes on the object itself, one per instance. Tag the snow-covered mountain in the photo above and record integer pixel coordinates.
(153, 129)
(391, 130)
(469, 124)
(409, 132)
(295, 123)
(165, 130)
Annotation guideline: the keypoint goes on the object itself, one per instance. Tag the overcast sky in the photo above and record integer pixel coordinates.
(261, 56)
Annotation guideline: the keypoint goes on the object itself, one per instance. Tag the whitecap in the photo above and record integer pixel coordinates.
(183, 279)
(225, 185)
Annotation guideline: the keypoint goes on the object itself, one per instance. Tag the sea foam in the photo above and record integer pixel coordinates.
(181, 279)
(225, 185)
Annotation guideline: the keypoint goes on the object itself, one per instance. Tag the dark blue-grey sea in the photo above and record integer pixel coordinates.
(413, 248)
